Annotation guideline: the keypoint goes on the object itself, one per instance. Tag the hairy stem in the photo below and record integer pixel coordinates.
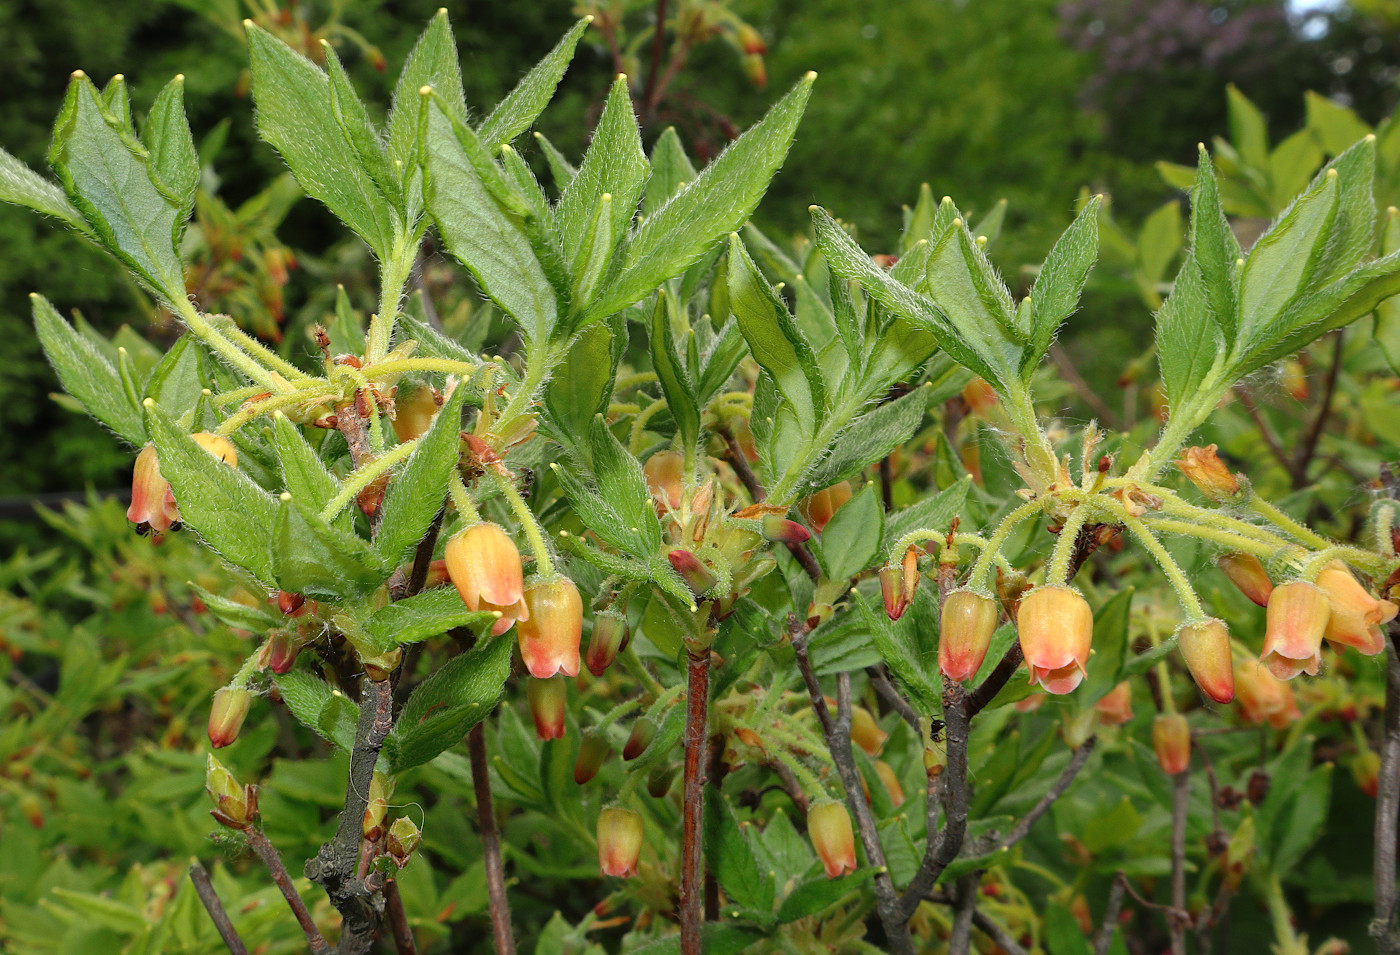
(205, 890)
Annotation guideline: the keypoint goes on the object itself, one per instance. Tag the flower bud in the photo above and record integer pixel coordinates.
(1235, 866)
(227, 713)
(1246, 573)
(415, 405)
(620, 832)
(865, 731)
(1056, 627)
(290, 605)
(402, 839)
(665, 476)
(484, 566)
(283, 648)
(1116, 706)
(829, 826)
(592, 750)
(1296, 619)
(755, 69)
(698, 578)
(783, 531)
(1264, 698)
(1355, 612)
(659, 781)
(935, 751)
(750, 41)
(547, 700)
(609, 632)
(819, 508)
(377, 809)
(235, 805)
(1203, 468)
(965, 633)
(1205, 646)
(980, 397)
(149, 510)
(1366, 770)
(1171, 738)
(643, 732)
(552, 628)
(890, 782)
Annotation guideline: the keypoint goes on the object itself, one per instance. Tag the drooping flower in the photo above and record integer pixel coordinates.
(550, 631)
(665, 476)
(1296, 619)
(547, 699)
(593, 749)
(1203, 468)
(821, 506)
(1205, 646)
(829, 826)
(620, 833)
(965, 633)
(1116, 706)
(608, 637)
(1263, 697)
(1356, 615)
(1056, 628)
(484, 565)
(1171, 739)
(227, 713)
(153, 509)
(1248, 574)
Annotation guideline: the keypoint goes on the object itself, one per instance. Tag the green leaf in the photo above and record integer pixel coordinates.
(1062, 933)
(902, 655)
(670, 170)
(560, 168)
(320, 708)
(615, 166)
(817, 895)
(719, 359)
(734, 862)
(850, 542)
(479, 234)
(993, 359)
(433, 63)
(965, 286)
(173, 159)
(1353, 230)
(523, 105)
(681, 398)
(1105, 669)
(231, 514)
(1159, 241)
(1188, 341)
(177, 381)
(420, 489)
(1335, 126)
(1299, 825)
(1248, 129)
(1387, 325)
(582, 384)
(86, 374)
(1055, 294)
(255, 620)
(622, 483)
(303, 473)
(295, 115)
(419, 617)
(716, 203)
(870, 437)
(1214, 249)
(103, 171)
(1282, 263)
(23, 186)
(1145, 660)
(774, 339)
(359, 131)
(309, 556)
(455, 698)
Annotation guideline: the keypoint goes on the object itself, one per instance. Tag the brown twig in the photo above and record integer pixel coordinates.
(1383, 927)
(964, 911)
(978, 699)
(1104, 939)
(888, 692)
(1081, 388)
(1179, 920)
(267, 852)
(998, 934)
(335, 864)
(1057, 789)
(838, 740)
(1308, 447)
(658, 38)
(490, 843)
(398, 920)
(943, 848)
(205, 890)
(1271, 440)
(697, 702)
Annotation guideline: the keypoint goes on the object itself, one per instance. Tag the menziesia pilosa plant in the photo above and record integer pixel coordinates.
(655, 472)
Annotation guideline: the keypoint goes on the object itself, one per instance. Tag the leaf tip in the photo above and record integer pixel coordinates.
(248, 24)
(179, 78)
(813, 207)
(77, 74)
(206, 392)
(285, 497)
(1369, 138)
(620, 78)
(1332, 174)
(148, 403)
(588, 20)
(425, 90)
(810, 76)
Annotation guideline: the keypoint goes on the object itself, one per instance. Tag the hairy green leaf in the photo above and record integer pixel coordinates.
(455, 698)
(523, 105)
(86, 374)
(418, 491)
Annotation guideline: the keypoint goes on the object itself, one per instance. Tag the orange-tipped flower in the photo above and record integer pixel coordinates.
(783, 531)
(1205, 646)
(1203, 468)
(485, 568)
(609, 635)
(227, 713)
(551, 631)
(1116, 706)
(1263, 697)
(1356, 615)
(415, 405)
(1297, 618)
(547, 706)
(865, 732)
(643, 732)
(899, 584)
(1171, 738)
(665, 477)
(829, 826)
(149, 510)
(891, 782)
(620, 833)
(819, 508)
(750, 40)
(592, 750)
(698, 578)
(1056, 627)
(965, 633)
(1246, 573)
